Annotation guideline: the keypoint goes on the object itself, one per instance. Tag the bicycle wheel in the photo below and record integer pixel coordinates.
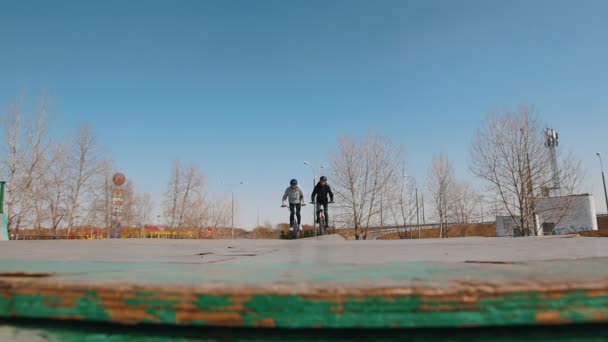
(322, 224)
(295, 229)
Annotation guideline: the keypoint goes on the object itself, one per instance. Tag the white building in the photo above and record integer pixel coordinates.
(555, 216)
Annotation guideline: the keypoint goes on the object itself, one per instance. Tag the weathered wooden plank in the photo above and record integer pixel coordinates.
(301, 294)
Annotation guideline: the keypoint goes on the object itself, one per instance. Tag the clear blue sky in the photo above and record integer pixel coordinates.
(250, 89)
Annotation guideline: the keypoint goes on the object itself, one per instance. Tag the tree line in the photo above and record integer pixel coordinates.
(508, 155)
(66, 183)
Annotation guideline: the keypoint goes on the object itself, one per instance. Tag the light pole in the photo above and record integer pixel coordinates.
(417, 204)
(417, 213)
(314, 209)
(232, 209)
(422, 204)
(603, 180)
(232, 204)
(481, 199)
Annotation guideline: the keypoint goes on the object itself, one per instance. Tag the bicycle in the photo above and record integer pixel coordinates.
(322, 224)
(296, 225)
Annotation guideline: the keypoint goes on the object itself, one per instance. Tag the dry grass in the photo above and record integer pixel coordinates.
(478, 229)
(602, 224)
(485, 229)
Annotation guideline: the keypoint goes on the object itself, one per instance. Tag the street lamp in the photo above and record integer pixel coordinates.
(232, 203)
(232, 209)
(422, 205)
(603, 180)
(417, 212)
(417, 205)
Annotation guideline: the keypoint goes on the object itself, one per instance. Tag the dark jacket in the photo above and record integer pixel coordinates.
(321, 191)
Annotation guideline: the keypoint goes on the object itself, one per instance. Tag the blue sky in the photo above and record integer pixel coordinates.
(250, 89)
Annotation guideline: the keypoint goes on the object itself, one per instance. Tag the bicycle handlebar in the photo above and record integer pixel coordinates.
(286, 206)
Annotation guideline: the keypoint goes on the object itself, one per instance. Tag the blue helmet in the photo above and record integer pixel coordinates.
(293, 182)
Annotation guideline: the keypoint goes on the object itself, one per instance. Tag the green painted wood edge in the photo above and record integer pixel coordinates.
(295, 311)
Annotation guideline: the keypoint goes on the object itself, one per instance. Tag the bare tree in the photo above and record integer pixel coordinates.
(55, 191)
(441, 185)
(185, 197)
(364, 172)
(47, 183)
(403, 208)
(218, 213)
(12, 164)
(25, 164)
(466, 205)
(129, 206)
(466, 201)
(84, 164)
(509, 154)
(143, 208)
(102, 191)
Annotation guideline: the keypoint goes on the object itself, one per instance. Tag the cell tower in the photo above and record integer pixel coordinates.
(552, 141)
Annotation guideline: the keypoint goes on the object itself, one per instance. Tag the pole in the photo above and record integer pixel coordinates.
(381, 221)
(314, 209)
(417, 214)
(2, 196)
(232, 209)
(605, 194)
(3, 219)
(603, 180)
(422, 203)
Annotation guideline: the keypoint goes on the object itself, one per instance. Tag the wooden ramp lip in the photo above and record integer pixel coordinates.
(308, 285)
(462, 301)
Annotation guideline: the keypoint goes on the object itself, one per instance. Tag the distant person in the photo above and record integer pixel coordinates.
(296, 200)
(321, 191)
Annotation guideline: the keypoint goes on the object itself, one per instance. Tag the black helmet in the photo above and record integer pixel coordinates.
(293, 182)
(323, 179)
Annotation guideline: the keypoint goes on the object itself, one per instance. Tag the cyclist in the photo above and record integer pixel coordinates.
(321, 190)
(296, 200)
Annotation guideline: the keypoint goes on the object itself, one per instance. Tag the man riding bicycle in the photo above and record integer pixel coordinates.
(296, 200)
(321, 190)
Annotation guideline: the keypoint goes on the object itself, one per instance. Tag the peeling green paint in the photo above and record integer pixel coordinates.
(158, 310)
(340, 309)
(214, 302)
(87, 307)
(295, 311)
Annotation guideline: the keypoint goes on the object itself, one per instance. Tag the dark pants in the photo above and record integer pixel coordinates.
(325, 206)
(294, 209)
